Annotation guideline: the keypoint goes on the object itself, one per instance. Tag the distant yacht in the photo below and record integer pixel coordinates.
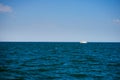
(83, 41)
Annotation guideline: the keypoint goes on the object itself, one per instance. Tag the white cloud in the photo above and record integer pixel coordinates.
(5, 8)
(117, 21)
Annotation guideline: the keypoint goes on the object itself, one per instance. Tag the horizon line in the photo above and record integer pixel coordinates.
(58, 41)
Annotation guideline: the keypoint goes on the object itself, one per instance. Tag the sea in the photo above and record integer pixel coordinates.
(59, 61)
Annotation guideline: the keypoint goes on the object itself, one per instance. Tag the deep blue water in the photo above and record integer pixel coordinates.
(59, 61)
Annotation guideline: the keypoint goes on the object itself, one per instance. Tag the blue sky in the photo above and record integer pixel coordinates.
(60, 20)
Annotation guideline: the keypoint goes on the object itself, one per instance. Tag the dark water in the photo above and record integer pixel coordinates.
(59, 61)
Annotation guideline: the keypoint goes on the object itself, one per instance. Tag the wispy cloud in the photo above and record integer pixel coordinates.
(117, 21)
(5, 8)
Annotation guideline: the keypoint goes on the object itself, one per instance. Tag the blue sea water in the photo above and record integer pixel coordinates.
(59, 61)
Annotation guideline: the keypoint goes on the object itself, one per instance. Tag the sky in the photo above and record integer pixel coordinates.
(60, 20)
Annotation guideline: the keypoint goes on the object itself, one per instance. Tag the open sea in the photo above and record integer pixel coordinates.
(59, 61)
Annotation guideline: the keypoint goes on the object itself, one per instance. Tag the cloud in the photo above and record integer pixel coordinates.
(117, 21)
(5, 8)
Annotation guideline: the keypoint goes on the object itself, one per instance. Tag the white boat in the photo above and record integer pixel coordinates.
(83, 41)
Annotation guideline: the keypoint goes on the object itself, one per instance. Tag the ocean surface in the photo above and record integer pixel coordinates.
(59, 61)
